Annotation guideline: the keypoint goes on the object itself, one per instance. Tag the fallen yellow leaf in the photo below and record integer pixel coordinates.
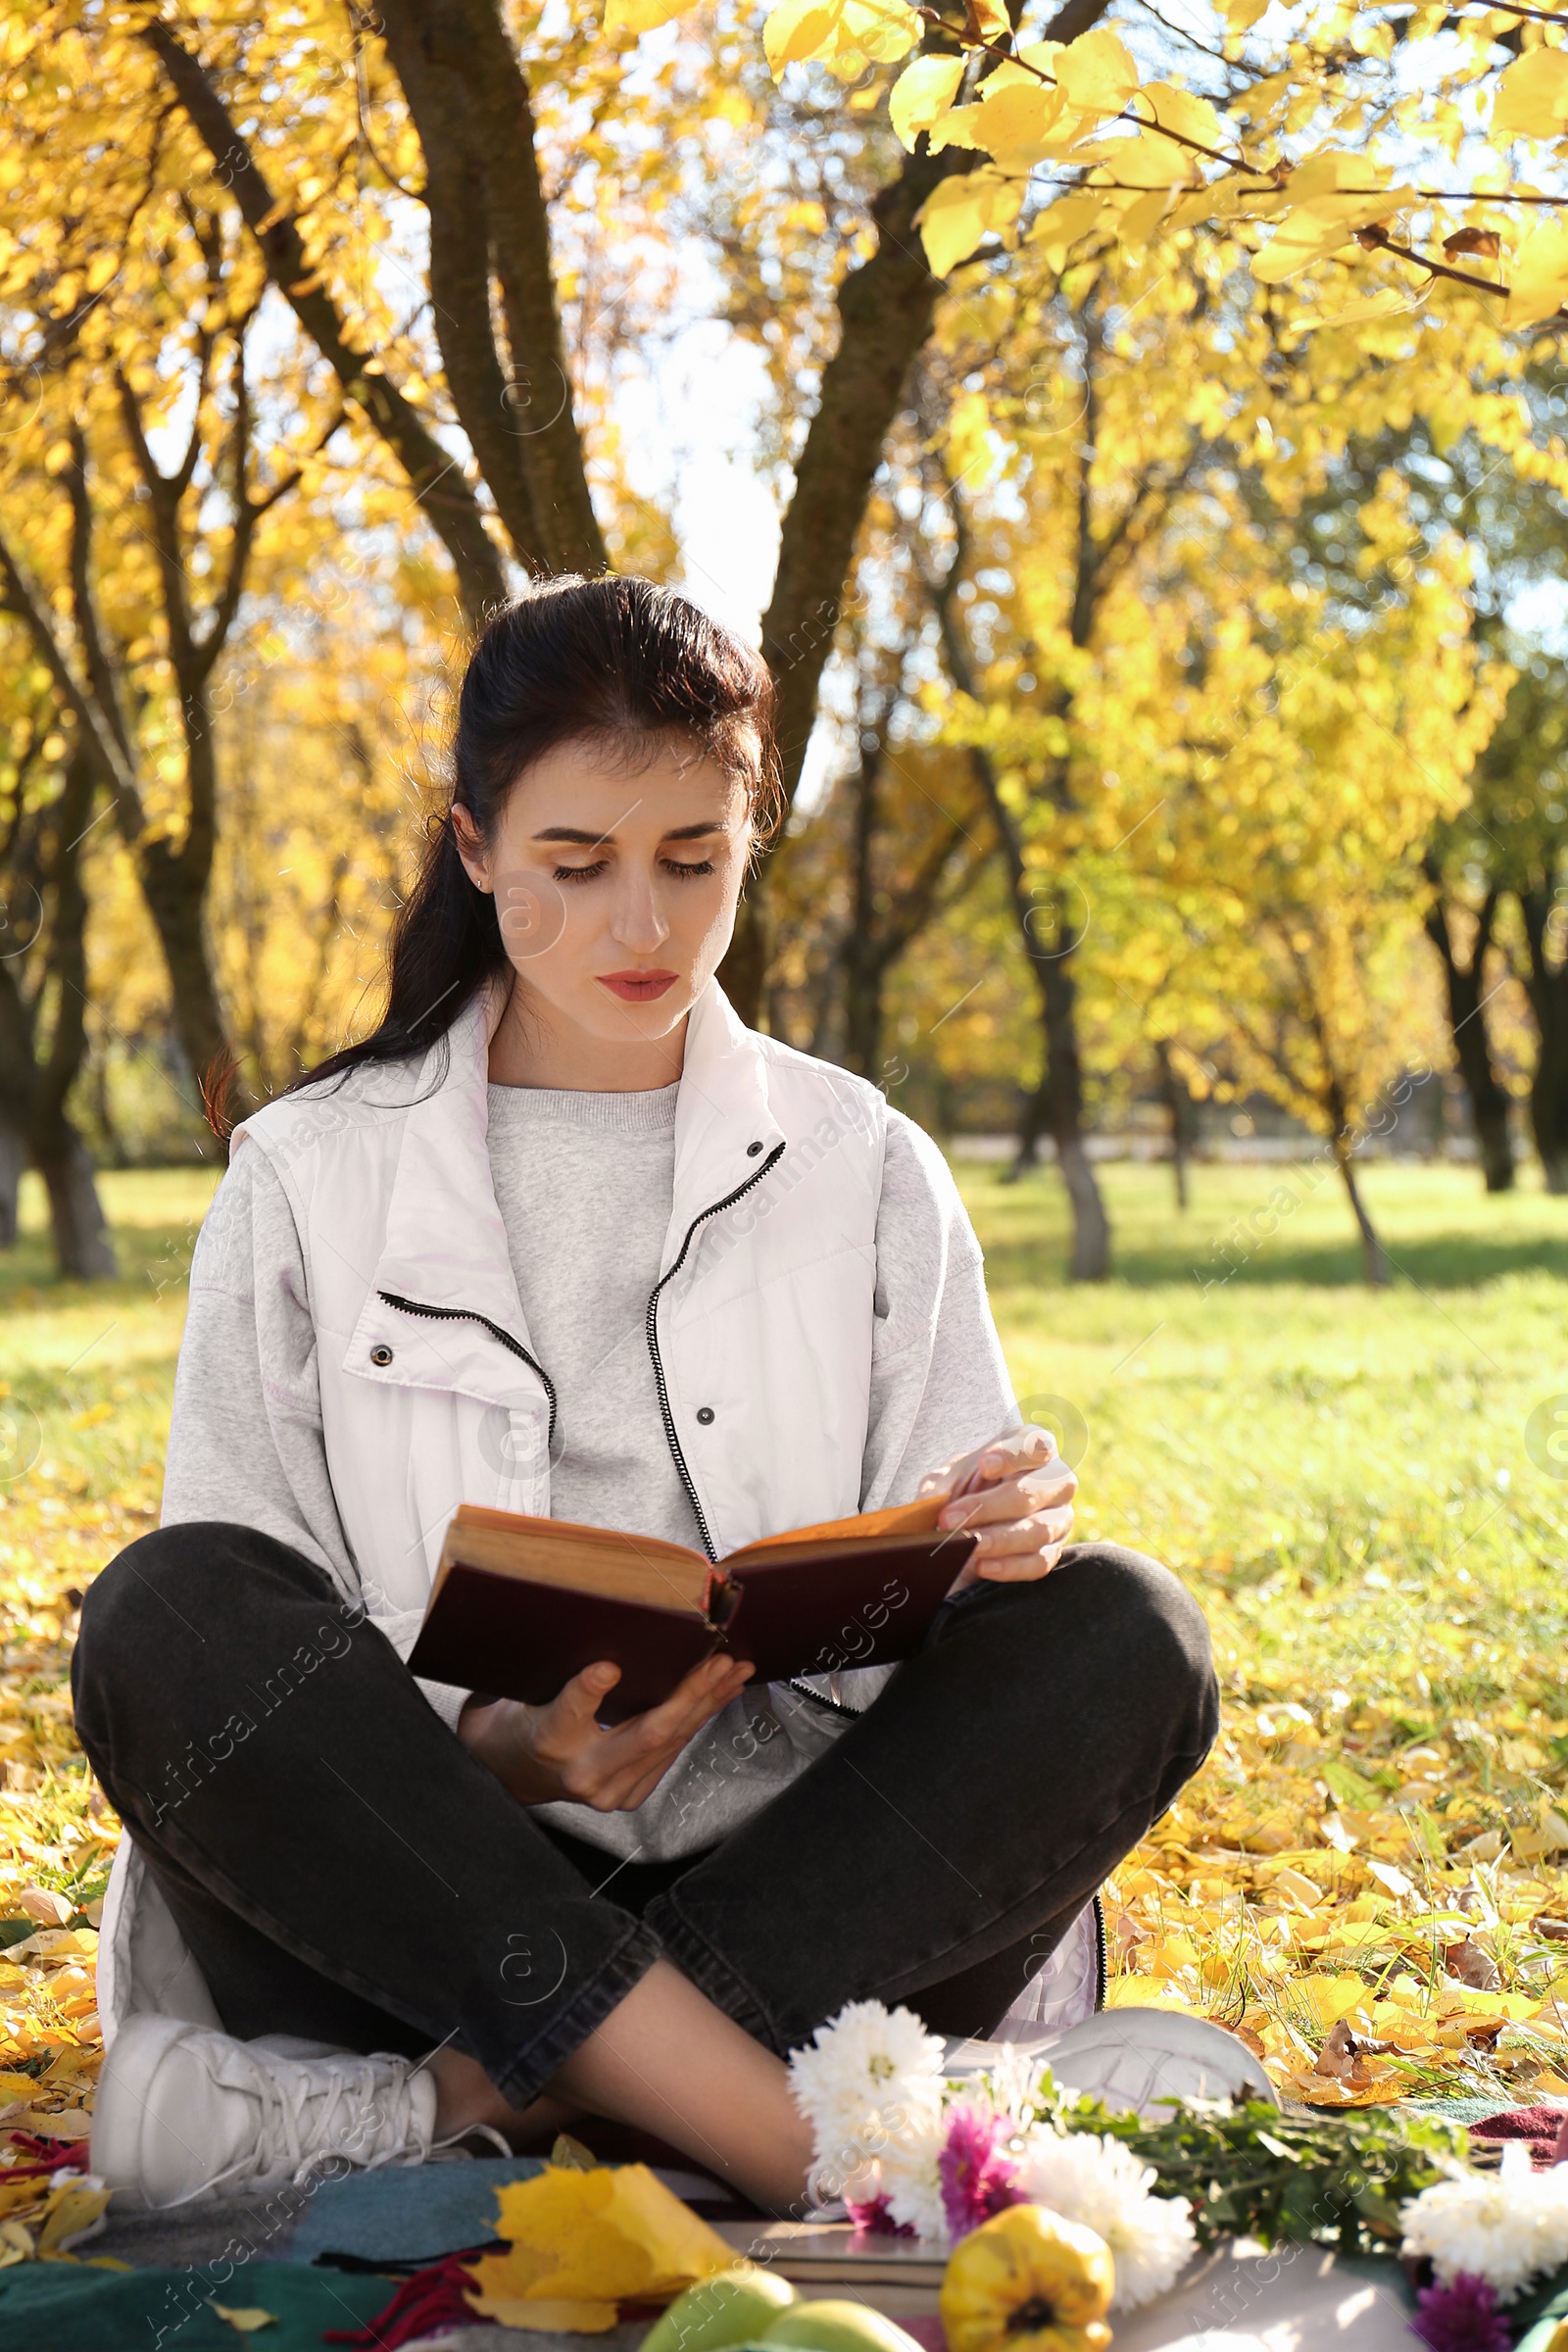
(574, 2318)
(72, 2122)
(71, 2210)
(603, 2236)
(248, 2319)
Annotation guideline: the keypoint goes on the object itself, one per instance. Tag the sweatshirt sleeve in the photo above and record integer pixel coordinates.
(246, 1442)
(939, 1380)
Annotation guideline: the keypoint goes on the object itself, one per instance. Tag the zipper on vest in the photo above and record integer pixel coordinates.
(467, 1314)
(833, 1706)
(671, 1437)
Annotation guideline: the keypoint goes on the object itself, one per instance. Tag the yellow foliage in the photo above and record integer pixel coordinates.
(1240, 162)
(1540, 278)
(640, 15)
(1532, 101)
(960, 210)
(1096, 72)
(844, 35)
(581, 2242)
(923, 95)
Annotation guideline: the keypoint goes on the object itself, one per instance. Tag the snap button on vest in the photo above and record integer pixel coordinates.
(752, 1149)
(705, 1414)
(381, 1356)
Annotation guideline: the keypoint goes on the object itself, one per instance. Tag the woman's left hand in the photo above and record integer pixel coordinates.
(1016, 1494)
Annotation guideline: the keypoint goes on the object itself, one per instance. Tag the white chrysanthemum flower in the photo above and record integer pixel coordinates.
(864, 2081)
(1105, 2187)
(909, 2178)
(1507, 2227)
(1011, 2084)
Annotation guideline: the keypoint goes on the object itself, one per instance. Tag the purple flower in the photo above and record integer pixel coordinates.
(876, 2218)
(979, 2177)
(1462, 2317)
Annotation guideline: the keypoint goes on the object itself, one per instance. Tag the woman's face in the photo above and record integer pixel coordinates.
(615, 887)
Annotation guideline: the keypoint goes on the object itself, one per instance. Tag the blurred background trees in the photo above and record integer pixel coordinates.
(1170, 658)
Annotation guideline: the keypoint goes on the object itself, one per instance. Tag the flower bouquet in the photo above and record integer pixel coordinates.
(907, 2149)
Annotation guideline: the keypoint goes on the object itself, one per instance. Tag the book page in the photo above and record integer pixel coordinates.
(902, 1519)
(584, 1559)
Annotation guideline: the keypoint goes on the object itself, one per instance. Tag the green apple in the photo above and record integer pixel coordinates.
(731, 2307)
(835, 2327)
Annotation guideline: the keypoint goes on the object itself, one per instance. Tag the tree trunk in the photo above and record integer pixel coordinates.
(16, 1075)
(1547, 987)
(425, 53)
(1489, 1104)
(83, 1249)
(743, 973)
(1056, 1105)
(863, 964)
(1091, 1227)
(13, 1160)
(1179, 1103)
(176, 900)
(82, 1246)
(34, 1125)
(1374, 1262)
(862, 1014)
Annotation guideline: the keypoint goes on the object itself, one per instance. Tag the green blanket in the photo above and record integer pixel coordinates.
(71, 2307)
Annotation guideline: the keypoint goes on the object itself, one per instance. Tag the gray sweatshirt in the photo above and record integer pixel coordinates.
(584, 1183)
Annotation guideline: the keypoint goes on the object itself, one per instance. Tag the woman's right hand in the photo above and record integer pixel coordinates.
(542, 1753)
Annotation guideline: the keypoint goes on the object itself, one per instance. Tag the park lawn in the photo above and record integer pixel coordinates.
(1360, 1489)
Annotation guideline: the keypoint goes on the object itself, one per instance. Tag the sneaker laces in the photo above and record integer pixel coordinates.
(362, 2113)
(453, 2148)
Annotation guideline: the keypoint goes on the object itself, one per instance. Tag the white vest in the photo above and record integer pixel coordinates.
(760, 1332)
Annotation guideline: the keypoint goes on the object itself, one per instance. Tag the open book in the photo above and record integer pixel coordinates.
(521, 1606)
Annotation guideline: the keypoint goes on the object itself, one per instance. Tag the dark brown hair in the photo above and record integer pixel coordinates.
(613, 663)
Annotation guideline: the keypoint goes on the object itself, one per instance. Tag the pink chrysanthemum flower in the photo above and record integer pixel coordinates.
(876, 2217)
(1461, 2317)
(979, 2177)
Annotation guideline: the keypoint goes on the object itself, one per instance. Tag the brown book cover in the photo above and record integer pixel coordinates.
(519, 1606)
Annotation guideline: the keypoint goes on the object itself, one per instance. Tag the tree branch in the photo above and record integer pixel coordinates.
(455, 198)
(885, 309)
(103, 741)
(472, 35)
(436, 480)
(162, 496)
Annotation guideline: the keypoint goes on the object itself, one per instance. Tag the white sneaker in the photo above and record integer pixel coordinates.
(183, 2114)
(1131, 2058)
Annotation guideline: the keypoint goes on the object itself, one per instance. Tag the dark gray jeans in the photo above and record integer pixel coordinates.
(343, 1869)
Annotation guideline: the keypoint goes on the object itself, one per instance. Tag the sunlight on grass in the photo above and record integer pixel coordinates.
(1359, 1487)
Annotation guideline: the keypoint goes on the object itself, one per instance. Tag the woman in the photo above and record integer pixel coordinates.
(562, 1236)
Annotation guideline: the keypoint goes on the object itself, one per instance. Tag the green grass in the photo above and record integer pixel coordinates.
(1355, 1484)
(88, 1368)
(1355, 1468)
(1359, 1469)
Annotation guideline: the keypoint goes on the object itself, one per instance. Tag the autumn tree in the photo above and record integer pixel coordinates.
(135, 504)
(1132, 597)
(1295, 842)
(1072, 418)
(331, 733)
(318, 134)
